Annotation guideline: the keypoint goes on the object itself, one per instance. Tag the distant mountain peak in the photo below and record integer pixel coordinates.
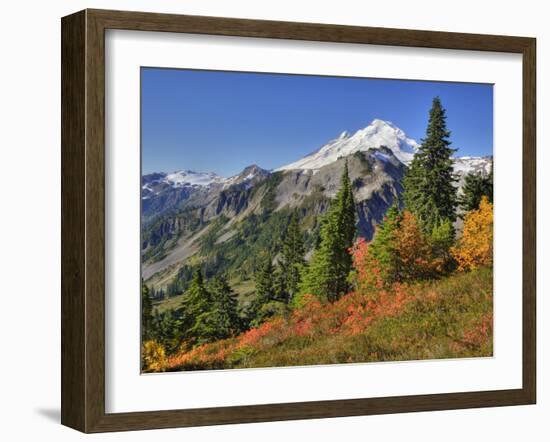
(188, 177)
(378, 133)
(247, 175)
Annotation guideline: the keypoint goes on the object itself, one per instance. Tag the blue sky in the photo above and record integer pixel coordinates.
(224, 121)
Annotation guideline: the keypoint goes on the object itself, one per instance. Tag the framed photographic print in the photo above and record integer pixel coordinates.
(267, 221)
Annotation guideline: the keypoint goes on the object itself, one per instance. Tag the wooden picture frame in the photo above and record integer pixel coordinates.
(83, 220)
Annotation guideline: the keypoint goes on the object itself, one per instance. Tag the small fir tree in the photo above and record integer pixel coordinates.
(226, 317)
(384, 247)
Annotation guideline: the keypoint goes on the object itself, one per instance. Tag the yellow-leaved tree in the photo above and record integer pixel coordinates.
(153, 357)
(475, 247)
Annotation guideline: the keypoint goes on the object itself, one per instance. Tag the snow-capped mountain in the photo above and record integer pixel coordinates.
(380, 133)
(155, 183)
(377, 133)
(380, 140)
(191, 178)
(161, 191)
(249, 176)
(465, 165)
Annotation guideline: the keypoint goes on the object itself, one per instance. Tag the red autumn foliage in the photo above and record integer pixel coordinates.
(350, 315)
(480, 332)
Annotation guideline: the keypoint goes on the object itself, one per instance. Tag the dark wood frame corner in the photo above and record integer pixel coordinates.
(83, 216)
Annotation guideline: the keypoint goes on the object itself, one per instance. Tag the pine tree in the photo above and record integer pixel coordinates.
(429, 191)
(265, 280)
(476, 185)
(197, 304)
(225, 308)
(442, 239)
(327, 275)
(196, 298)
(269, 282)
(347, 228)
(146, 313)
(384, 246)
(168, 330)
(292, 259)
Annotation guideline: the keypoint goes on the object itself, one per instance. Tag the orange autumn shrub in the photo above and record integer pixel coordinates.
(362, 311)
(414, 250)
(211, 355)
(475, 247)
(367, 274)
(265, 335)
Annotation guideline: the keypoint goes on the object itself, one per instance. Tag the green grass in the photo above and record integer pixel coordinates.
(168, 304)
(244, 289)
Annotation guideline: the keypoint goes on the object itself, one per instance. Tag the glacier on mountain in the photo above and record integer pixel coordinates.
(377, 133)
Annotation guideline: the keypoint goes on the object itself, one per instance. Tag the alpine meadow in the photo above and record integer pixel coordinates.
(261, 249)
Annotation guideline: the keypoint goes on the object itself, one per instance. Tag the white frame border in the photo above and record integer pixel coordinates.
(126, 390)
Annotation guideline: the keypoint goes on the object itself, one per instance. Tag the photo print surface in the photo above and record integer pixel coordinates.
(294, 220)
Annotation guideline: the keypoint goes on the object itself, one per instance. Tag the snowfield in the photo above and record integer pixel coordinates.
(377, 133)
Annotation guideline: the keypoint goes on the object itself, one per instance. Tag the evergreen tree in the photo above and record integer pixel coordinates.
(197, 304)
(264, 278)
(292, 259)
(146, 313)
(384, 246)
(476, 185)
(224, 298)
(196, 299)
(269, 291)
(168, 329)
(429, 191)
(442, 239)
(327, 275)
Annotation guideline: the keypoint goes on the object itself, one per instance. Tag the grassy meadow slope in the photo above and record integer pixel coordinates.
(446, 318)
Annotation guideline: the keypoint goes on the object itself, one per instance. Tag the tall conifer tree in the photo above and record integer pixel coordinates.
(196, 299)
(429, 190)
(265, 280)
(146, 313)
(225, 307)
(327, 275)
(292, 258)
(197, 305)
